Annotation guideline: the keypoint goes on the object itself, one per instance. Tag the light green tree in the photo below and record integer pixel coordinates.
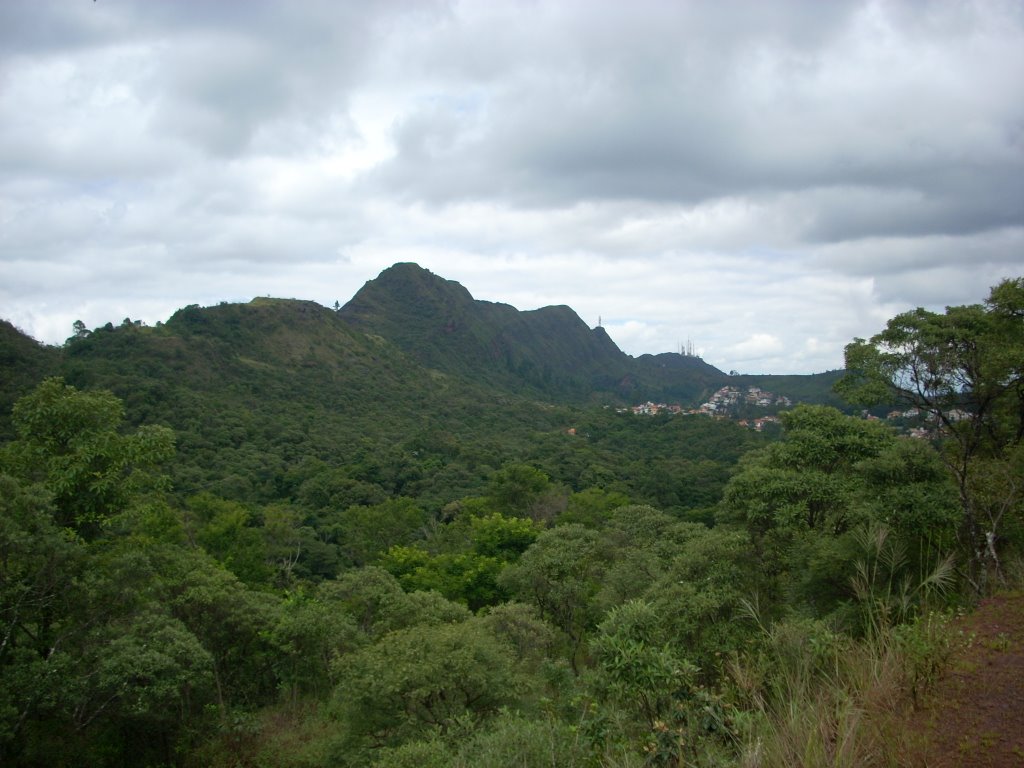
(560, 575)
(803, 498)
(424, 678)
(71, 441)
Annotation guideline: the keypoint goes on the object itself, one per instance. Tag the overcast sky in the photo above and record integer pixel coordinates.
(766, 179)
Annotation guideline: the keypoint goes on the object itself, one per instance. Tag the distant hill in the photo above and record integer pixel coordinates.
(814, 388)
(412, 388)
(392, 340)
(259, 394)
(546, 352)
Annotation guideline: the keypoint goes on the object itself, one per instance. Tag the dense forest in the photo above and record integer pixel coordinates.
(420, 530)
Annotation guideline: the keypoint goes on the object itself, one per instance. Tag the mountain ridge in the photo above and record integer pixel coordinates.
(550, 350)
(546, 354)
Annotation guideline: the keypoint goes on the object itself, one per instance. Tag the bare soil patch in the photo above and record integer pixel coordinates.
(975, 714)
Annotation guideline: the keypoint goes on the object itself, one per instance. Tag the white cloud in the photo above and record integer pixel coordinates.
(757, 346)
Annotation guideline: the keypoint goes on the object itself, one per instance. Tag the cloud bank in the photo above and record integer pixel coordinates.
(766, 180)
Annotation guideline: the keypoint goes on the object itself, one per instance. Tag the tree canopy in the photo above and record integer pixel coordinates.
(964, 369)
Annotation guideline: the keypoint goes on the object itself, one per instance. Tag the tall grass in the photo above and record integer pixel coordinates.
(813, 696)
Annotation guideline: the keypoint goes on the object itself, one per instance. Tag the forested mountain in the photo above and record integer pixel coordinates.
(405, 320)
(409, 533)
(548, 352)
(412, 389)
(23, 364)
(439, 324)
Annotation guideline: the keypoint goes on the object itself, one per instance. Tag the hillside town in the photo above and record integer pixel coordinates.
(727, 402)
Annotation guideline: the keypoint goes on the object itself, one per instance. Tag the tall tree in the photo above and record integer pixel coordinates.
(559, 574)
(71, 442)
(87, 650)
(963, 369)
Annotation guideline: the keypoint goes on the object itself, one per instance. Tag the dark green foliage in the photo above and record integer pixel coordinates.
(803, 499)
(364, 533)
(360, 560)
(559, 575)
(226, 530)
(423, 678)
(814, 389)
(69, 441)
(516, 489)
(23, 364)
(549, 351)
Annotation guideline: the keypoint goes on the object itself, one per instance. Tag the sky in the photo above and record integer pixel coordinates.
(762, 180)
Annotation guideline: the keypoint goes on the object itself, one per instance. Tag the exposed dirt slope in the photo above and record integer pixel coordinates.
(975, 716)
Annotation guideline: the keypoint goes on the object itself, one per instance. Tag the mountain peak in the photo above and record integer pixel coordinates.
(440, 324)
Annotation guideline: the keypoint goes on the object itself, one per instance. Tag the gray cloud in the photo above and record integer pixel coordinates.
(689, 113)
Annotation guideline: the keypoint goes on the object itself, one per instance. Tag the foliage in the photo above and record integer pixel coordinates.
(801, 500)
(964, 368)
(638, 667)
(355, 560)
(422, 678)
(468, 577)
(559, 575)
(69, 441)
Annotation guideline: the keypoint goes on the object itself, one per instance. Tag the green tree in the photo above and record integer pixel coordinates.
(71, 442)
(560, 574)
(365, 532)
(803, 498)
(425, 677)
(467, 577)
(89, 646)
(231, 622)
(638, 667)
(378, 604)
(40, 575)
(806, 481)
(517, 488)
(80, 331)
(310, 634)
(502, 537)
(592, 506)
(650, 691)
(228, 531)
(964, 369)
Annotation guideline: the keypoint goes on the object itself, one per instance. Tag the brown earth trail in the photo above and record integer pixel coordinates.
(975, 714)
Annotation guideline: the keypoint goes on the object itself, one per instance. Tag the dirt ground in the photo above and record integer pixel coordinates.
(975, 715)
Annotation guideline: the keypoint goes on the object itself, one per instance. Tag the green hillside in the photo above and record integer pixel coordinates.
(548, 352)
(275, 535)
(23, 364)
(414, 388)
(425, 531)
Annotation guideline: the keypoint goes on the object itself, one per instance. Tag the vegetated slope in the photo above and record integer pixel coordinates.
(547, 351)
(671, 377)
(413, 389)
(271, 398)
(23, 362)
(815, 388)
(255, 390)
